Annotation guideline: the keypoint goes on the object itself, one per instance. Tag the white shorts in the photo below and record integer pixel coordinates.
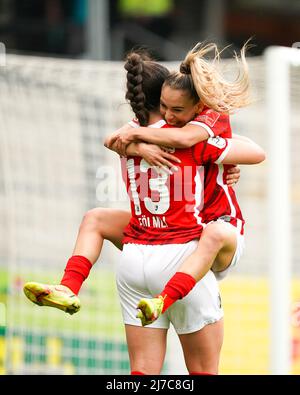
(240, 245)
(143, 272)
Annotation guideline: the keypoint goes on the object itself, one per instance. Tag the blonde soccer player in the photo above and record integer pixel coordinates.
(163, 231)
(101, 224)
(221, 244)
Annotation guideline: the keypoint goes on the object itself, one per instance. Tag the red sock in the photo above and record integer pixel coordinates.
(76, 271)
(137, 373)
(176, 288)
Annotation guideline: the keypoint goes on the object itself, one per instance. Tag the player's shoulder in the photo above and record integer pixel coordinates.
(210, 117)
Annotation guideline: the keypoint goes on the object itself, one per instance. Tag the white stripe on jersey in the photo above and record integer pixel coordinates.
(239, 225)
(224, 153)
(199, 194)
(135, 196)
(157, 125)
(225, 188)
(204, 126)
(134, 124)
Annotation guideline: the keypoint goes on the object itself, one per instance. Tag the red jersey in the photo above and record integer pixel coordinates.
(219, 200)
(165, 208)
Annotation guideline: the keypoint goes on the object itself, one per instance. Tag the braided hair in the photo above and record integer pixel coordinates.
(145, 78)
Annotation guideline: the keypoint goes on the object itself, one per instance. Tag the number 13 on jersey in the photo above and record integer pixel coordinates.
(157, 184)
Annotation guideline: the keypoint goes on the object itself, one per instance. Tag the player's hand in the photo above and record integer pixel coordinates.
(233, 176)
(110, 139)
(120, 140)
(156, 156)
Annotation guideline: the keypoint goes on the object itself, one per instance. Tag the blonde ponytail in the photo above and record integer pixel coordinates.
(211, 86)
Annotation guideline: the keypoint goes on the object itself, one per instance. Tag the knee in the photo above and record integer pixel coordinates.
(216, 233)
(203, 363)
(203, 367)
(93, 218)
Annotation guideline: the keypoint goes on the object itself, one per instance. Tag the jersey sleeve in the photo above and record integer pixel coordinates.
(213, 122)
(212, 150)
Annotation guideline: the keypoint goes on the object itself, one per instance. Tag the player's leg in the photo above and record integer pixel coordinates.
(98, 224)
(202, 349)
(215, 250)
(146, 348)
(198, 320)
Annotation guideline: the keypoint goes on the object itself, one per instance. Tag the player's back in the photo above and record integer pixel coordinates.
(165, 208)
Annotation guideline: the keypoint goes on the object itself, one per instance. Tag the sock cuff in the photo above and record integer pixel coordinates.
(179, 285)
(79, 264)
(185, 277)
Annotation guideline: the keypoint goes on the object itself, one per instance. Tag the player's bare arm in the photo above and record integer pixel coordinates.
(242, 138)
(111, 139)
(183, 137)
(244, 153)
(153, 154)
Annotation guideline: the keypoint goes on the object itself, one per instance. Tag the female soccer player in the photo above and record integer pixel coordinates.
(207, 323)
(101, 224)
(221, 244)
(162, 232)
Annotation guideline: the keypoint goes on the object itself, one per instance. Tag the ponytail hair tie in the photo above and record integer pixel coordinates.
(184, 68)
